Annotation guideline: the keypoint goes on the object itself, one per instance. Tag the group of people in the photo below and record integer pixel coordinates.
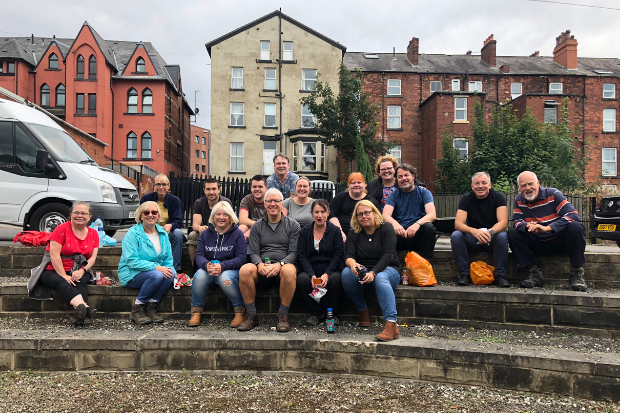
(284, 238)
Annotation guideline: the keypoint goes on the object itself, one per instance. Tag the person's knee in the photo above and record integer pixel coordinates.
(457, 236)
(288, 273)
(428, 230)
(200, 276)
(575, 228)
(192, 238)
(226, 279)
(514, 234)
(500, 239)
(248, 272)
(176, 235)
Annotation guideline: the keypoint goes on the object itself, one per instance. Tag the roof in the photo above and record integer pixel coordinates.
(266, 17)
(15, 50)
(472, 64)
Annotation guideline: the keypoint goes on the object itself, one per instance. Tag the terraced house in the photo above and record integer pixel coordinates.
(121, 92)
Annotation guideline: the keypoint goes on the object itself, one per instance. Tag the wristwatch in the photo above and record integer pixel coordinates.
(282, 263)
(418, 222)
(491, 232)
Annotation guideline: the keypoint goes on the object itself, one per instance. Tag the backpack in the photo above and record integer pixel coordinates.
(33, 238)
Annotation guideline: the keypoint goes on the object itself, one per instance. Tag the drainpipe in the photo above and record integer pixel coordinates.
(112, 143)
(583, 132)
(383, 106)
(280, 81)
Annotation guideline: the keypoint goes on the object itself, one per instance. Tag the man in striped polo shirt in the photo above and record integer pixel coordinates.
(546, 223)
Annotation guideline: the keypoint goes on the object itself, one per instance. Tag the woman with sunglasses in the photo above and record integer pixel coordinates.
(371, 243)
(146, 263)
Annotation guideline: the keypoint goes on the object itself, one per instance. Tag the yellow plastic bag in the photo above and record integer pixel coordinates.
(419, 271)
(481, 273)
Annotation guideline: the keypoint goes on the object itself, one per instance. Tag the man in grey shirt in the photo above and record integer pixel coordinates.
(275, 237)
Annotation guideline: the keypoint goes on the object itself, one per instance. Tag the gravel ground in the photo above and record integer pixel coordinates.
(207, 392)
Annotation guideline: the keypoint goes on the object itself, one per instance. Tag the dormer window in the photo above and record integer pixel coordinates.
(53, 61)
(140, 65)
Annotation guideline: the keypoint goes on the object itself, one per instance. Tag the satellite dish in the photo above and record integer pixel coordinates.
(196, 111)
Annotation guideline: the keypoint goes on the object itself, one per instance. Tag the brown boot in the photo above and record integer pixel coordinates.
(249, 322)
(138, 315)
(196, 313)
(389, 333)
(239, 316)
(364, 318)
(283, 326)
(151, 312)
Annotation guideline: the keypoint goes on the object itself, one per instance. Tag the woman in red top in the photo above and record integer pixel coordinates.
(68, 239)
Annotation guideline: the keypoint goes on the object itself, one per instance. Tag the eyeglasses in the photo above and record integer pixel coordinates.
(273, 201)
(386, 169)
(365, 214)
(78, 213)
(147, 213)
(161, 184)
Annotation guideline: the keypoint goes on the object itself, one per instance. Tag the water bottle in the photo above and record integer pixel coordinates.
(405, 277)
(329, 322)
(267, 262)
(99, 227)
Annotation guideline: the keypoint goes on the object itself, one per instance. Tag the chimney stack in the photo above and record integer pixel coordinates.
(413, 51)
(504, 68)
(535, 54)
(488, 53)
(565, 52)
(468, 53)
(394, 53)
(32, 39)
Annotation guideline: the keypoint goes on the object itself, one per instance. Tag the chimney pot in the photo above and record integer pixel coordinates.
(468, 53)
(413, 51)
(488, 54)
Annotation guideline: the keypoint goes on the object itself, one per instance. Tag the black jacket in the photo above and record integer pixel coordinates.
(329, 257)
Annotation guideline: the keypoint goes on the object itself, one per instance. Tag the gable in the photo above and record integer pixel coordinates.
(130, 68)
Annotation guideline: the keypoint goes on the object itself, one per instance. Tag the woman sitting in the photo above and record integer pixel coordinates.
(220, 252)
(146, 263)
(372, 243)
(300, 206)
(67, 263)
(320, 251)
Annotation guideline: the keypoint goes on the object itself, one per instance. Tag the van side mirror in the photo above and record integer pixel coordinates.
(42, 160)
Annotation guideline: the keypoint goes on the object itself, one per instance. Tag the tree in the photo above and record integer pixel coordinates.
(363, 163)
(344, 118)
(505, 146)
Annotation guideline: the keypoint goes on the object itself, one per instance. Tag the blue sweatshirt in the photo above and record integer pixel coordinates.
(172, 204)
(230, 248)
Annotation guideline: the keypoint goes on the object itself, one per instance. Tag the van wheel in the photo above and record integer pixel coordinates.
(110, 232)
(49, 216)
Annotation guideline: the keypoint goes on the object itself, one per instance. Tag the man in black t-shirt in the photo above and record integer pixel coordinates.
(480, 222)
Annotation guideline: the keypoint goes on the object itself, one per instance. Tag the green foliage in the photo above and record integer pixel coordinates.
(363, 163)
(505, 146)
(342, 118)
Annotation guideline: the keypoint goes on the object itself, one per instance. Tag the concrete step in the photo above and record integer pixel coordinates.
(570, 373)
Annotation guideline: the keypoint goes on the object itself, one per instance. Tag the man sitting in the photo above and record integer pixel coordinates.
(252, 206)
(202, 212)
(411, 211)
(275, 237)
(545, 222)
(480, 222)
(282, 179)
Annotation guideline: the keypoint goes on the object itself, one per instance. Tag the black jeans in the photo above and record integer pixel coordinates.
(330, 300)
(571, 241)
(423, 242)
(66, 291)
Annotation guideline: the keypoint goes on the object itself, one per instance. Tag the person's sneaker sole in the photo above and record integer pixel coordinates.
(581, 288)
(80, 315)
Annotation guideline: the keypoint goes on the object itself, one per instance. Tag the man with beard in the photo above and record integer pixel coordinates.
(202, 212)
(252, 206)
(545, 222)
(282, 179)
(411, 210)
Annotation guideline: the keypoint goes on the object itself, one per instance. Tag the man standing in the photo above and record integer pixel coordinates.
(545, 222)
(202, 212)
(480, 222)
(411, 211)
(282, 180)
(252, 206)
(275, 237)
(382, 186)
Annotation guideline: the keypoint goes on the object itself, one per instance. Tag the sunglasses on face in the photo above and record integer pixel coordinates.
(147, 213)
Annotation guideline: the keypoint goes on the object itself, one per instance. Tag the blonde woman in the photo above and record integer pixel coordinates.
(372, 243)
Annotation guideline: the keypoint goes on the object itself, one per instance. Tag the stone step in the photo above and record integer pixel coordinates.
(569, 373)
(593, 313)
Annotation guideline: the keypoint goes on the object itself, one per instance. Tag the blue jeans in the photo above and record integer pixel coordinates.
(384, 283)
(176, 243)
(228, 281)
(152, 285)
(463, 244)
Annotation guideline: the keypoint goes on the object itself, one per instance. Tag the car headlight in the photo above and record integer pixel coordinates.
(107, 191)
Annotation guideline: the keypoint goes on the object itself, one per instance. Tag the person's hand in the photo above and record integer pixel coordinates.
(411, 231)
(324, 279)
(344, 236)
(167, 271)
(69, 280)
(535, 228)
(354, 268)
(483, 237)
(168, 228)
(369, 277)
(247, 236)
(202, 228)
(77, 275)
(214, 269)
(262, 269)
(400, 231)
(274, 269)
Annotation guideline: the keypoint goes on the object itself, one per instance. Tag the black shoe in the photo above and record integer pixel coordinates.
(463, 280)
(80, 315)
(502, 282)
(534, 279)
(577, 280)
(90, 312)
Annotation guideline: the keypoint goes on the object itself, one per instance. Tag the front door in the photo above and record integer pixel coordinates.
(269, 151)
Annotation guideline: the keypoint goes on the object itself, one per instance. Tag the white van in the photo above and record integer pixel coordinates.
(43, 170)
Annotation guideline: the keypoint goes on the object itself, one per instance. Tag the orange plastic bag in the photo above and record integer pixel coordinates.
(419, 271)
(481, 273)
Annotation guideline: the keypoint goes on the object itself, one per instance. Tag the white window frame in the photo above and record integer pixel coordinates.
(456, 85)
(323, 166)
(612, 160)
(304, 156)
(394, 117)
(465, 149)
(305, 81)
(609, 94)
(197, 168)
(241, 114)
(234, 155)
(271, 80)
(287, 54)
(513, 89)
(396, 152)
(461, 111)
(235, 80)
(475, 86)
(549, 106)
(394, 84)
(556, 88)
(204, 140)
(204, 155)
(609, 120)
(435, 83)
(270, 110)
(197, 139)
(307, 117)
(295, 150)
(265, 53)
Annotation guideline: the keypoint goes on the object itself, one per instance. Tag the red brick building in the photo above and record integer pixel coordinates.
(123, 93)
(420, 94)
(200, 150)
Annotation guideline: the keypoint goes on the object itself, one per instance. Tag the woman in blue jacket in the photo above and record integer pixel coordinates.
(320, 251)
(220, 252)
(146, 263)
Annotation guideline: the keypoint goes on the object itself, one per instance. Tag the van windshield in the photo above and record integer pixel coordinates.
(64, 148)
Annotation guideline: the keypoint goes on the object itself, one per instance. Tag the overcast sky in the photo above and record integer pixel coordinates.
(180, 29)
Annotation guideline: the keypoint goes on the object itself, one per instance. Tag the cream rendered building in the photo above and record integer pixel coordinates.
(258, 74)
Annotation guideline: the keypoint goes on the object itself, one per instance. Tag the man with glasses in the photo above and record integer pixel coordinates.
(171, 218)
(282, 179)
(275, 237)
(382, 186)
